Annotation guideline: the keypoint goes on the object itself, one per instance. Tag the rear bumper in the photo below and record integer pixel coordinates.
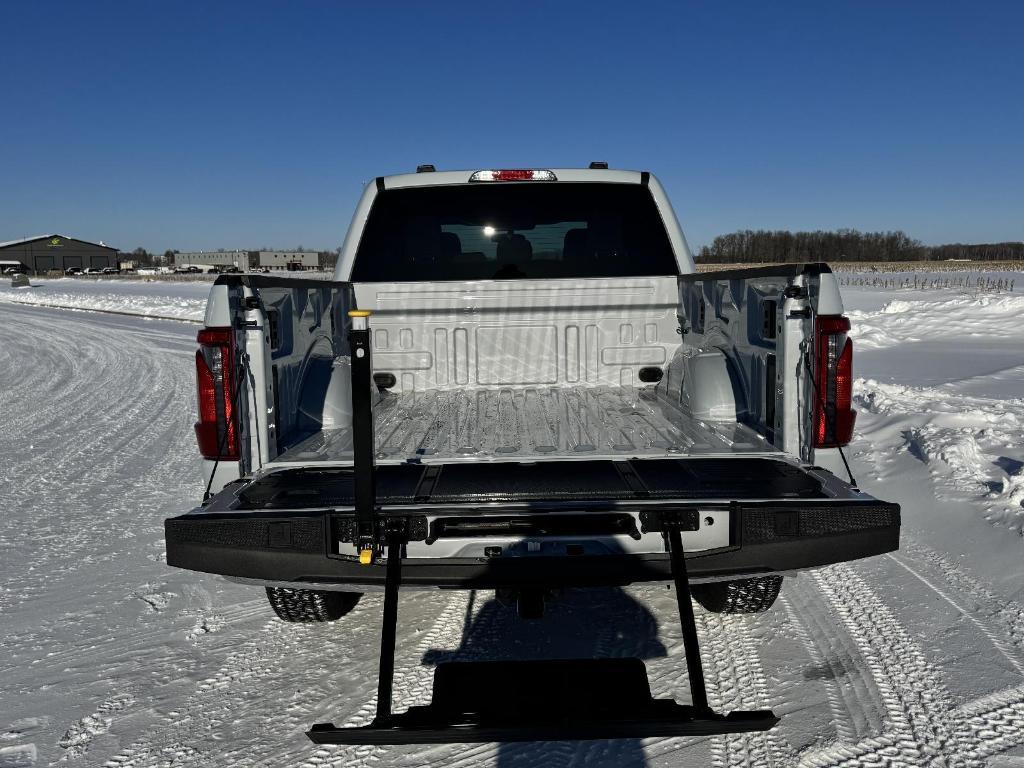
(766, 538)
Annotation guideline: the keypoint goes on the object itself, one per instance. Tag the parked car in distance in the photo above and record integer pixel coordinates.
(73, 271)
(16, 269)
(110, 271)
(190, 270)
(93, 271)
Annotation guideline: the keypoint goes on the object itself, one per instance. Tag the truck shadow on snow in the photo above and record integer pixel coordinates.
(578, 623)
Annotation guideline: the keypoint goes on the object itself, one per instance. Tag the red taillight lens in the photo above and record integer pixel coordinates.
(207, 390)
(513, 175)
(215, 383)
(833, 381)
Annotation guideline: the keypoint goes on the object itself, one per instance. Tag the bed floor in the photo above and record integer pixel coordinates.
(530, 423)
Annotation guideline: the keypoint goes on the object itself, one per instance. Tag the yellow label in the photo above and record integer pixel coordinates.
(365, 556)
(359, 313)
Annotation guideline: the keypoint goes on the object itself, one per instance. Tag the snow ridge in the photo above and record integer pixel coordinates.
(962, 438)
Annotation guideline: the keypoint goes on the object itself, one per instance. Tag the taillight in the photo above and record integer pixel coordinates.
(514, 174)
(833, 380)
(215, 383)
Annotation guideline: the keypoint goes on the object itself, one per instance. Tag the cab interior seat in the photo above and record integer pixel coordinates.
(514, 255)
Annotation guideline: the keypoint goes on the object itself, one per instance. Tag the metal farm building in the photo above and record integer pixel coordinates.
(290, 260)
(238, 259)
(43, 253)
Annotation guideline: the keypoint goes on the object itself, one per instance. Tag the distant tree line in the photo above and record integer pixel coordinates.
(977, 251)
(141, 257)
(764, 246)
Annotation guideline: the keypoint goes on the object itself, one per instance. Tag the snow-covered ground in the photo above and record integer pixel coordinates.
(149, 298)
(110, 658)
(156, 298)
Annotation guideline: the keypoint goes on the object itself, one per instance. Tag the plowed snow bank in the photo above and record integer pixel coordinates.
(185, 301)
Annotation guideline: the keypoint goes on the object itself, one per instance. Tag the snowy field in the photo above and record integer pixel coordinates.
(110, 658)
(162, 299)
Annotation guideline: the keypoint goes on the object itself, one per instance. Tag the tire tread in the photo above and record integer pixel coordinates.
(754, 595)
(307, 606)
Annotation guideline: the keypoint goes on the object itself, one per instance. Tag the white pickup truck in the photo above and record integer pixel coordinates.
(519, 381)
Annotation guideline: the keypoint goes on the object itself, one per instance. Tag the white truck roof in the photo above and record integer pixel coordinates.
(343, 267)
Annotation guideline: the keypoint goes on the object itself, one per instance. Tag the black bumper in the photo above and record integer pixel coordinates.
(766, 538)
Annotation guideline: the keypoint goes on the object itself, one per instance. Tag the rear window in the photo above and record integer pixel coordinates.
(508, 231)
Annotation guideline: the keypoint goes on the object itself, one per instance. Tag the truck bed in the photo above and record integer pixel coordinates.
(532, 423)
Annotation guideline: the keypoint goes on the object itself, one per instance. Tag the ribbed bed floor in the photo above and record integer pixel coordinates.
(522, 424)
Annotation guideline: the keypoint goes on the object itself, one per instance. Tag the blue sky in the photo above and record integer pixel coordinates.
(218, 125)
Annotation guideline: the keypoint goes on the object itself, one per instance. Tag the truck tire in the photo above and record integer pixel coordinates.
(304, 606)
(742, 596)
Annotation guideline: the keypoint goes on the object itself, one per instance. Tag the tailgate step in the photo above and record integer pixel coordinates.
(551, 700)
(525, 700)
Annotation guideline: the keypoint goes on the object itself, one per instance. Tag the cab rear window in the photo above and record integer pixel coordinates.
(508, 231)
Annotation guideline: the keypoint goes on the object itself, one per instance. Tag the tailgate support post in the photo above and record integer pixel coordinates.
(694, 666)
(386, 669)
(371, 532)
(366, 540)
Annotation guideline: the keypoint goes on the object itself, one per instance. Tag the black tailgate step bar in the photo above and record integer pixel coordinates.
(516, 700)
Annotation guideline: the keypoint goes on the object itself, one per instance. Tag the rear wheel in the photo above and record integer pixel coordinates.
(742, 596)
(303, 606)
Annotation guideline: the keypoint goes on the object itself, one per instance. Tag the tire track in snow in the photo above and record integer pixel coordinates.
(79, 470)
(1001, 645)
(1006, 614)
(235, 691)
(737, 681)
(98, 428)
(73, 353)
(994, 723)
(411, 684)
(851, 691)
(921, 723)
(150, 389)
(55, 480)
(917, 704)
(126, 642)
